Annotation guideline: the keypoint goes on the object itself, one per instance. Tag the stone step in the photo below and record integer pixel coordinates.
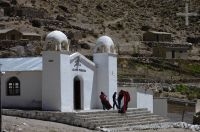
(127, 118)
(110, 111)
(116, 117)
(131, 128)
(113, 122)
(139, 122)
(110, 114)
(113, 119)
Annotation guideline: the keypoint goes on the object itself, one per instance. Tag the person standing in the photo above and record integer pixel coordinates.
(119, 99)
(103, 99)
(114, 100)
(126, 96)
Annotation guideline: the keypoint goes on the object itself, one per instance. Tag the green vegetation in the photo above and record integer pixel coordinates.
(191, 93)
(194, 68)
(183, 89)
(191, 67)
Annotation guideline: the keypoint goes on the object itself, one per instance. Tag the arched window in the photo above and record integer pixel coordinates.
(13, 86)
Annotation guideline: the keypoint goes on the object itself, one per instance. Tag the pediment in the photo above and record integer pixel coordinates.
(78, 60)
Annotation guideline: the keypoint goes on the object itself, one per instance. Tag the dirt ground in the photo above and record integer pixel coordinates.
(17, 124)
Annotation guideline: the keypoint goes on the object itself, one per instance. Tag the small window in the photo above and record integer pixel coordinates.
(13, 87)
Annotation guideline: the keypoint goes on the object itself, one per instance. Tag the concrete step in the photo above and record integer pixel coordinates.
(130, 110)
(130, 128)
(109, 115)
(140, 122)
(113, 119)
(113, 122)
(120, 117)
(127, 118)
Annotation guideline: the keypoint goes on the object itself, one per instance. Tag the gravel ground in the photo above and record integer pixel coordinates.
(167, 130)
(17, 124)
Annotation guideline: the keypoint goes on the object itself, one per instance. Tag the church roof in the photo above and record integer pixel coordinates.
(30, 34)
(35, 63)
(21, 64)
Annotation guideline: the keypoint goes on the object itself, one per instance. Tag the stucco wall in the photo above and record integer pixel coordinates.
(106, 75)
(160, 106)
(177, 54)
(85, 72)
(139, 97)
(30, 90)
(51, 95)
(59, 71)
(66, 83)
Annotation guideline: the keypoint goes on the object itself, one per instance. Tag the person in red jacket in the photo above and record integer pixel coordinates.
(104, 101)
(126, 97)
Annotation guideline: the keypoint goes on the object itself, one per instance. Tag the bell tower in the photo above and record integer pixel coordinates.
(105, 59)
(56, 81)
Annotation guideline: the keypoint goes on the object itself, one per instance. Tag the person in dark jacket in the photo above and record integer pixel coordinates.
(114, 100)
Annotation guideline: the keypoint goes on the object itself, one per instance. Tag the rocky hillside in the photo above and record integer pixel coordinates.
(123, 20)
(85, 20)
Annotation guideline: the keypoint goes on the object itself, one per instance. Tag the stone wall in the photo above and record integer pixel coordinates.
(27, 12)
(61, 117)
(5, 44)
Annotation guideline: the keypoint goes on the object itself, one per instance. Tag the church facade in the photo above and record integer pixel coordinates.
(60, 80)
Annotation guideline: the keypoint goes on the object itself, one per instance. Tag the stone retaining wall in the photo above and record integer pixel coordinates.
(61, 117)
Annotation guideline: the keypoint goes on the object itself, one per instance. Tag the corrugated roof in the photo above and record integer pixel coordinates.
(5, 30)
(156, 32)
(30, 34)
(21, 64)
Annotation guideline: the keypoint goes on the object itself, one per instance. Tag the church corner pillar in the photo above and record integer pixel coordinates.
(52, 79)
(106, 75)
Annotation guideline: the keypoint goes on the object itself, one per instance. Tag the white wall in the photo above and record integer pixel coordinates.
(85, 71)
(144, 100)
(51, 85)
(59, 71)
(106, 75)
(160, 106)
(139, 97)
(112, 75)
(30, 90)
(66, 84)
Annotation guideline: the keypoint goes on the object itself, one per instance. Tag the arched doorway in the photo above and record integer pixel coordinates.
(77, 93)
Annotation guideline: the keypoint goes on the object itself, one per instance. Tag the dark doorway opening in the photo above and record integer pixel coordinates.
(77, 93)
(173, 54)
(12, 37)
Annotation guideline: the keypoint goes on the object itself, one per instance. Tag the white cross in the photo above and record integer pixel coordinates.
(186, 14)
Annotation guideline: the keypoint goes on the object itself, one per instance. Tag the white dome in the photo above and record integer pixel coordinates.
(57, 36)
(104, 44)
(104, 40)
(58, 39)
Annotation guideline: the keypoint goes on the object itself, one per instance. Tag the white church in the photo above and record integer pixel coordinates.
(59, 80)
